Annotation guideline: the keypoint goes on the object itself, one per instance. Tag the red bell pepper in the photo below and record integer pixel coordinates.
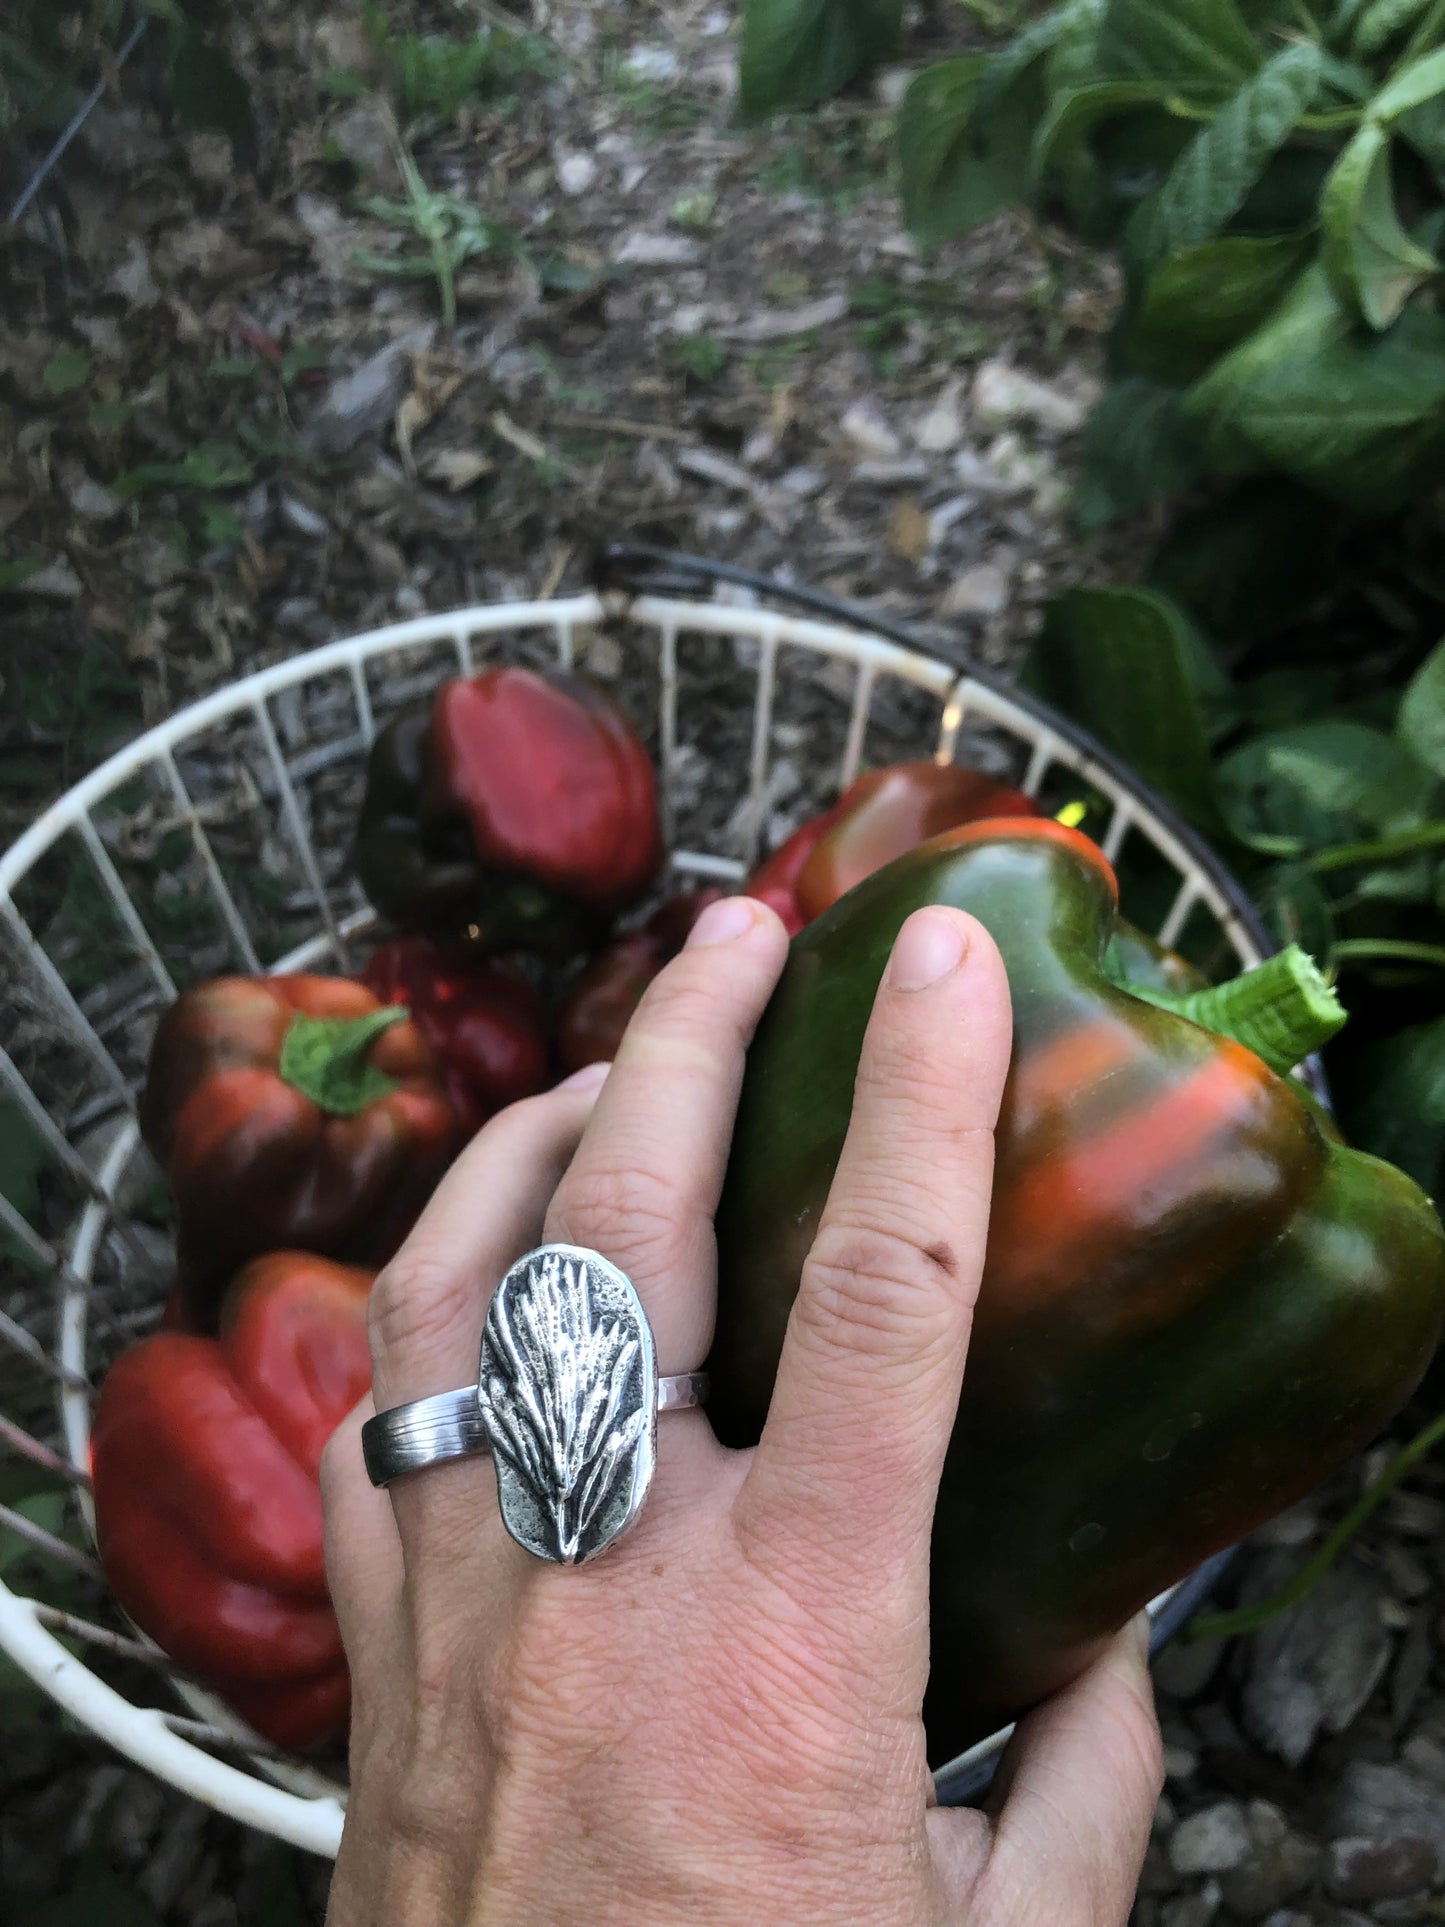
(883, 815)
(522, 811)
(598, 1008)
(290, 1112)
(205, 1454)
(486, 1026)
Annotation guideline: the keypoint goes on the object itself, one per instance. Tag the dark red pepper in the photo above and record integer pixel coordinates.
(486, 1026)
(881, 816)
(522, 811)
(600, 1004)
(205, 1454)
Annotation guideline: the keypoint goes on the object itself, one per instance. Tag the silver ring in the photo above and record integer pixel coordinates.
(566, 1404)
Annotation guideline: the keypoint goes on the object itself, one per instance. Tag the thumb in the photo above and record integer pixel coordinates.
(1074, 1801)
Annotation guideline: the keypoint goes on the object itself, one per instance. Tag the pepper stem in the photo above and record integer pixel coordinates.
(328, 1059)
(1282, 1009)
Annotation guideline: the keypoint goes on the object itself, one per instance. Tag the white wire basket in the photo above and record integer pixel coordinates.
(219, 841)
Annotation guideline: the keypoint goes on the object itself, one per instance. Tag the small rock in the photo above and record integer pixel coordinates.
(1192, 1910)
(363, 402)
(1370, 1870)
(1313, 1668)
(891, 85)
(782, 324)
(57, 582)
(94, 500)
(642, 250)
(364, 135)
(1003, 394)
(1214, 1840)
(1280, 1863)
(1379, 1802)
(653, 63)
(601, 656)
(1186, 1667)
(211, 159)
(133, 279)
(866, 428)
(1180, 1763)
(805, 483)
(576, 173)
(304, 519)
(980, 591)
(941, 428)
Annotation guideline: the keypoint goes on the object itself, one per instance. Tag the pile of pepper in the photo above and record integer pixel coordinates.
(1196, 1302)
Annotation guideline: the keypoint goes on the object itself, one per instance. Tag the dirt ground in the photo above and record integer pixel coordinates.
(237, 420)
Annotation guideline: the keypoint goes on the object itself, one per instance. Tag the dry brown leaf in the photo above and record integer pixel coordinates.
(456, 468)
(910, 531)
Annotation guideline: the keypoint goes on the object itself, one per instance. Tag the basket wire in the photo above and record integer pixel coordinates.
(282, 752)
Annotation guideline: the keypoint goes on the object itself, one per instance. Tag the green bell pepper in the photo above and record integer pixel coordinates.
(1195, 1305)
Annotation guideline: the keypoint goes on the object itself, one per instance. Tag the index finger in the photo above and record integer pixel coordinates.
(848, 1465)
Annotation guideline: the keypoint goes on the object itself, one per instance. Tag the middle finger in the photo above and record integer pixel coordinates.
(644, 1183)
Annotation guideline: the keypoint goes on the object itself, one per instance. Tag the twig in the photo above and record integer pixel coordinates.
(204, 1734)
(23, 1341)
(104, 1639)
(20, 1441)
(73, 126)
(556, 572)
(46, 1542)
(618, 425)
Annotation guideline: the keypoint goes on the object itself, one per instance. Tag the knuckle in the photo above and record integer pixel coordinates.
(691, 998)
(879, 1291)
(419, 1300)
(628, 1206)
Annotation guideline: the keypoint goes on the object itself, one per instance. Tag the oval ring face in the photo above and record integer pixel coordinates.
(568, 1391)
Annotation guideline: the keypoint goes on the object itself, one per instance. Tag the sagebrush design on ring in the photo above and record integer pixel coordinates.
(566, 1403)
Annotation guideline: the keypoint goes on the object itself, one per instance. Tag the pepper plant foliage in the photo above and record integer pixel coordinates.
(1331, 810)
(1273, 175)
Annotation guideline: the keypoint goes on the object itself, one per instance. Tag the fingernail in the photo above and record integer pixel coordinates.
(587, 1079)
(1142, 1632)
(721, 922)
(929, 946)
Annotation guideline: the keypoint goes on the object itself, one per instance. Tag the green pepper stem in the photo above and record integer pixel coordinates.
(1282, 1009)
(1249, 1619)
(328, 1059)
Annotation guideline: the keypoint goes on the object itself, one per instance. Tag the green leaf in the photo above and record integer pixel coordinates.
(1360, 417)
(957, 169)
(102, 1897)
(206, 90)
(1246, 562)
(67, 370)
(1211, 180)
(1421, 722)
(1013, 61)
(1321, 783)
(1137, 449)
(1073, 60)
(1121, 661)
(1202, 49)
(1059, 145)
(1372, 261)
(1198, 304)
(797, 52)
(1422, 80)
(1383, 21)
(1395, 1101)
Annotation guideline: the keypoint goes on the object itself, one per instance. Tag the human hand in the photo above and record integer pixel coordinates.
(718, 1721)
